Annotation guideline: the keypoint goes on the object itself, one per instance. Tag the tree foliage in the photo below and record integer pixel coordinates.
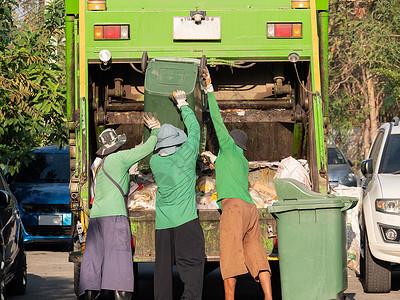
(32, 84)
(364, 70)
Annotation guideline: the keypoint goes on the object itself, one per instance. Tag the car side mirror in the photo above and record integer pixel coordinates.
(367, 167)
(350, 163)
(4, 199)
(7, 176)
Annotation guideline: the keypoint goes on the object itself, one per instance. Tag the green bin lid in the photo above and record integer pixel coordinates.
(294, 195)
(165, 75)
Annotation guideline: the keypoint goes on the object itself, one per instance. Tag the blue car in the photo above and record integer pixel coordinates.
(42, 190)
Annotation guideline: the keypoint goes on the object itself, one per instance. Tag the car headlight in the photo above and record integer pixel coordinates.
(350, 177)
(390, 234)
(390, 206)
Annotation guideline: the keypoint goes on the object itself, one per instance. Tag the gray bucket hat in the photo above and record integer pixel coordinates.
(240, 138)
(169, 137)
(110, 141)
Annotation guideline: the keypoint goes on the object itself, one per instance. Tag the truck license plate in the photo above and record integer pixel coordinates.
(184, 28)
(50, 220)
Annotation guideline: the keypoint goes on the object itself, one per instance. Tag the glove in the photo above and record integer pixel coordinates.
(151, 121)
(209, 156)
(179, 99)
(206, 82)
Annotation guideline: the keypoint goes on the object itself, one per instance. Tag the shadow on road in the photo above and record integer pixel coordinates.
(44, 288)
(55, 247)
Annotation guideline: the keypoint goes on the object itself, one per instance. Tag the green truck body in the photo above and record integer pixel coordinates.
(268, 62)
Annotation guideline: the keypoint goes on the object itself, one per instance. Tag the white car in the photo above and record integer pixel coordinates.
(380, 214)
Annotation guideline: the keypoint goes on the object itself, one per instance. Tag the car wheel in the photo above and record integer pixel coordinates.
(2, 280)
(362, 255)
(362, 266)
(77, 275)
(17, 285)
(377, 277)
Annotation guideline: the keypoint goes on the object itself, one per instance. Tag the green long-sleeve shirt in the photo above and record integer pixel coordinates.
(108, 200)
(175, 176)
(231, 167)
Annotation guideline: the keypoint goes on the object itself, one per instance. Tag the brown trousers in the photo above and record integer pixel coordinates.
(241, 243)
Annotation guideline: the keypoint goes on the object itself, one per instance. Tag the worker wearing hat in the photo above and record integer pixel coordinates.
(107, 260)
(241, 248)
(179, 237)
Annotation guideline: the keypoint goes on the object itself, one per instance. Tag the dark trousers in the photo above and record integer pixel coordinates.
(184, 247)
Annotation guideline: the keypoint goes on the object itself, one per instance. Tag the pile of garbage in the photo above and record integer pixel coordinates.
(206, 193)
(143, 193)
(262, 194)
(143, 189)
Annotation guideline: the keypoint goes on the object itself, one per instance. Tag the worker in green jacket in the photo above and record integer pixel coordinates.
(179, 237)
(241, 247)
(107, 262)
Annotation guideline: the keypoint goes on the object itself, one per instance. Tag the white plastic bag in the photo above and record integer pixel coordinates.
(292, 168)
(352, 225)
(142, 197)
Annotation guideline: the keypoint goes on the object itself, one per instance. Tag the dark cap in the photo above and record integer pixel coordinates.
(239, 137)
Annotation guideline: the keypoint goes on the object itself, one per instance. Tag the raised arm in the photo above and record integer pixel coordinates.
(222, 133)
(188, 117)
(192, 125)
(133, 155)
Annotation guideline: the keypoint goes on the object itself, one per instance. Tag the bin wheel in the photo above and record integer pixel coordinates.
(143, 63)
(77, 273)
(203, 63)
(377, 277)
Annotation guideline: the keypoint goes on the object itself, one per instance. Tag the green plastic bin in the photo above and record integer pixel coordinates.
(311, 230)
(163, 76)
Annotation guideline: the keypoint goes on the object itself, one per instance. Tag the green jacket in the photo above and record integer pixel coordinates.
(175, 176)
(108, 200)
(231, 167)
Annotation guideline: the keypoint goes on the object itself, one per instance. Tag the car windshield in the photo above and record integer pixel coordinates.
(335, 157)
(391, 155)
(46, 167)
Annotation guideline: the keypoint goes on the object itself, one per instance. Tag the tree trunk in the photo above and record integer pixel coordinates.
(373, 115)
(366, 130)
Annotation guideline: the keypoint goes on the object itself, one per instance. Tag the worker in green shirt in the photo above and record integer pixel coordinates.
(179, 237)
(241, 247)
(107, 262)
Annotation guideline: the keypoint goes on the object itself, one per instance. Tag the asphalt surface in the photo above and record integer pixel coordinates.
(50, 276)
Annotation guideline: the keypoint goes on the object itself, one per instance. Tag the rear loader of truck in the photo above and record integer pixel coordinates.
(268, 64)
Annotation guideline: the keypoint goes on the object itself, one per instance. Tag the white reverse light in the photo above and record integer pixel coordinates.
(293, 57)
(125, 32)
(105, 56)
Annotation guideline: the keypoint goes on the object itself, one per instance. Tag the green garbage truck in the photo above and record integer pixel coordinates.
(268, 63)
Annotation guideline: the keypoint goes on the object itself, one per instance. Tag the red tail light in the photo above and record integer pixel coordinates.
(284, 30)
(111, 32)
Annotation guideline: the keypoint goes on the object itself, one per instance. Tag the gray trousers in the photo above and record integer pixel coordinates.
(107, 262)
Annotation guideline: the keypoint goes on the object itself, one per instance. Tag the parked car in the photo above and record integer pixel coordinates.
(380, 213)
(340, 168)
(13, 277)
(42, 189)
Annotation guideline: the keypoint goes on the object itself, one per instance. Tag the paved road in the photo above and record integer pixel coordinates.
(50, 276)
